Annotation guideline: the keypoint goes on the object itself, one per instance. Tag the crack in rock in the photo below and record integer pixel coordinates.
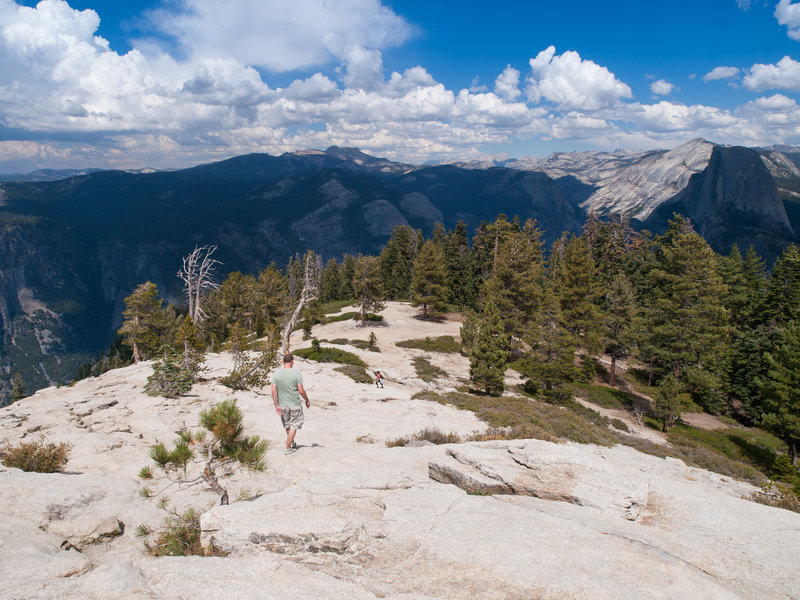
(346, 542)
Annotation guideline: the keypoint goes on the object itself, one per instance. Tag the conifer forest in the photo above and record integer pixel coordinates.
(696, 330)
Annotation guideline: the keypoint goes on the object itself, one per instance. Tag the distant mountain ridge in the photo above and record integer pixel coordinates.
(73, 248)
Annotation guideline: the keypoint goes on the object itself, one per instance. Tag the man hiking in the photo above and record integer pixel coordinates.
(287, 387)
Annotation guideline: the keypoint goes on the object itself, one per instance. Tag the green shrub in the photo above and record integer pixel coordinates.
(180, 535)
(169, 379)
(353, 316)
(783, 469)
(361, 344)
(357, 374)
(347, 316)
(619, 424)
(333, 355)
(39, 457)
(426, 371)
(445, 344)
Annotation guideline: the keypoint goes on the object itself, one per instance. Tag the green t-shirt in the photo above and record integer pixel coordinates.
(285, 382)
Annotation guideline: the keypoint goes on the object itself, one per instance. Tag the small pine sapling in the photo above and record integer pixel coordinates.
(212, 454)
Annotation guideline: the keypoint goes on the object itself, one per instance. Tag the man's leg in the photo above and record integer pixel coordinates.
(290, 433)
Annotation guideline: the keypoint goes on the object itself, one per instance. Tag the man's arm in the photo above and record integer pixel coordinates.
(275, 398)
(302, 392)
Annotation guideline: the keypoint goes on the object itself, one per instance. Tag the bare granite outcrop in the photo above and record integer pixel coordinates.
(348, 517)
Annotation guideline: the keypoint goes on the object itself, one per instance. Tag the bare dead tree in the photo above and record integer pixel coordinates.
(196, 274)
(312, 274)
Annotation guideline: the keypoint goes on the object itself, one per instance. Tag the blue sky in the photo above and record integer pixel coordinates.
(173, 83)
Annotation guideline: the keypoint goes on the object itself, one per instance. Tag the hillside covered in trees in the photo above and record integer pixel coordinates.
(696, 330)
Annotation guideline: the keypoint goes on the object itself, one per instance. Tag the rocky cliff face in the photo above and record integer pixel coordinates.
(639, 188)
(734, 200)
(78, 246)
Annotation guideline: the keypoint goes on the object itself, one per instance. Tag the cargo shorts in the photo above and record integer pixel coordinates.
(292, 418)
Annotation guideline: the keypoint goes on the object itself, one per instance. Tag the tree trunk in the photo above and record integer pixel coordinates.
(212, 481)
(613, 369)
(136, 356)
(287, 331)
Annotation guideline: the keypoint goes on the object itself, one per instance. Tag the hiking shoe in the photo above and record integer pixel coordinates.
(290, 450)
(293, 446)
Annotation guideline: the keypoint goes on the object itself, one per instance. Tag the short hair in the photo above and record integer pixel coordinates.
(287, 358)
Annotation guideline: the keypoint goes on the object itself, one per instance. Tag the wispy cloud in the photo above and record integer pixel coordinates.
(721, 73)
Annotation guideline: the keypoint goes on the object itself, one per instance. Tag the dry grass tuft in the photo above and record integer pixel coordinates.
(39, 457)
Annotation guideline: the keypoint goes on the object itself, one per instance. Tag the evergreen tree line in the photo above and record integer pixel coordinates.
(716, 330)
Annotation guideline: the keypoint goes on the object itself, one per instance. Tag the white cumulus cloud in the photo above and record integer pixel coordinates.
(721, 73)
(507, 84)
(280, 35)
(784, 75)
(777, 102)
(661, 87)
(572, 83)
(68, 100)
(788, 14)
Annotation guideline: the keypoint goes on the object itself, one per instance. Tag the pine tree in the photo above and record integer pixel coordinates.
(685, 323)
(461, 288)
(272, 299)
(667, 402)
(191, 341)
(516, 266)
(488, 355)
(782, 303)
(619, 321)
(396, 262)
(170, 378)
(311, 314)
(611, 244)
(580, 292)
(367, 286)
(17, 387)
(238, 294)
(552, 357)
(781, 391)
(737, 299)
(747, 368)
(756, 278)
(211, 455)
(142, 321)
(329, 287)
(428, 288)
(346, 272)
(251, 372)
